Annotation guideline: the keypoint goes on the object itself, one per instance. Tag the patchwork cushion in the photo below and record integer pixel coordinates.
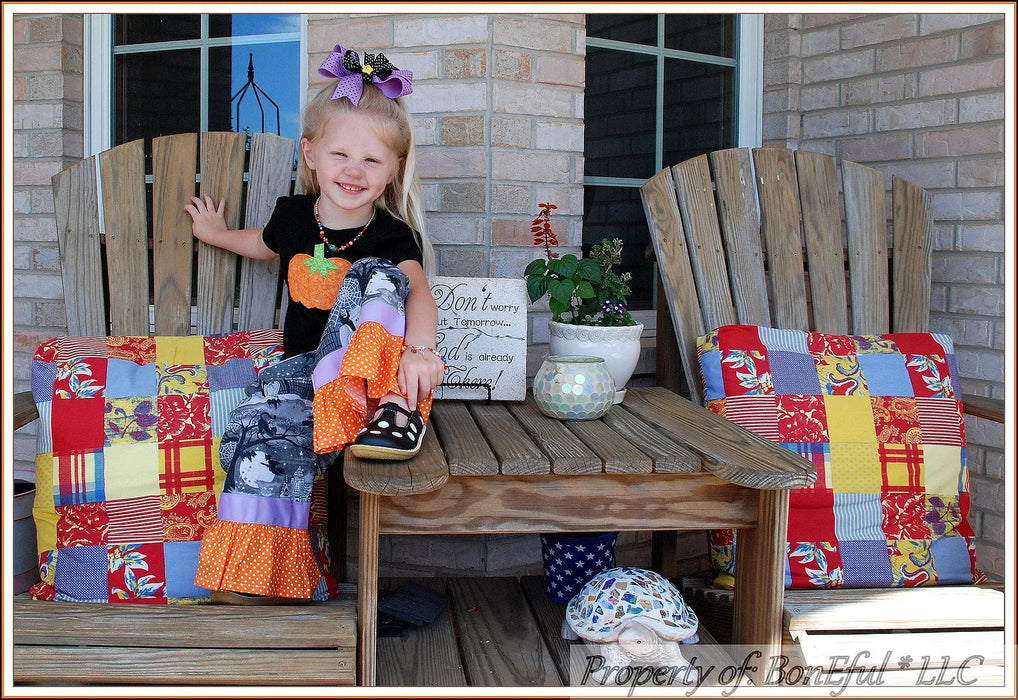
(881, 417)
(127, 460)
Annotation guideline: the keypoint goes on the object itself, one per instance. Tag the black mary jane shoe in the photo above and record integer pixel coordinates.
(383, 438)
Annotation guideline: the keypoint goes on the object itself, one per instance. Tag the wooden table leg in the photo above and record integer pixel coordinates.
(760, 581)
(367, 588)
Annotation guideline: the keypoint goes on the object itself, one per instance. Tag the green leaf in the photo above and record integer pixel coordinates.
(561, 290)
(588, 269)
(536, 267)
(537, 287)
(564, 266)
(584, 290)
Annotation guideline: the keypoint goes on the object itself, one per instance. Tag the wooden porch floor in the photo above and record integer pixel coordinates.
(496, 632)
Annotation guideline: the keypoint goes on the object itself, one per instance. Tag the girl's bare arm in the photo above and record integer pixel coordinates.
(209, 225)
(419, 372)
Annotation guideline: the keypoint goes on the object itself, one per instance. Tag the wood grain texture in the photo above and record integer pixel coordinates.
(81, 642)
(739, 219)
(782, 233)
(549, 617)
(174, 168)
(424, 656)
(669, 454)
(521, 658)
(25, 410)
(576, 503)
(222, 177)
(727, 450)
(616, 456)
(695, 195)
(270, 176)
(669, 240)
(465, 446)
(983, 407)
(75, 205)
(566, 452)
(125, 213)
(367, 587)
(516, 451)
(866, 226)
(821, 226)
(912, 210)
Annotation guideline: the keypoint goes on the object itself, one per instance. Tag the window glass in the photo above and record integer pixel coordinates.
(146, 29)
(635, 29)
(195, 73)
(648, 106)
(619, 113)
(699, 113)
(155, 94)
(709, 34)
(252, 24)
(617, 212)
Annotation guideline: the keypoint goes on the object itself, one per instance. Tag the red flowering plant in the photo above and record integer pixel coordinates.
(581, 291)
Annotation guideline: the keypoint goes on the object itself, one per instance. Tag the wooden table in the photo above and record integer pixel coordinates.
(654, 462)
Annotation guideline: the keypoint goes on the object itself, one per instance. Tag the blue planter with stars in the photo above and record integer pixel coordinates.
(570, 560)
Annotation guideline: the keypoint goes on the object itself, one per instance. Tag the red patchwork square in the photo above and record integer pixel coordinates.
(219, 349)
(138, 349)
(186, 515)
(137, 573)
(81, 525)
(802, 418)
(905, 516)
(896, 419)
(184, 417)
(82, 424)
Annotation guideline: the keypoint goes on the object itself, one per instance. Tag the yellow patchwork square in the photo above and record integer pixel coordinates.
(850, 419)
(902, 466)
(840, 375)
(942, 473)
(186, 466)
(218, 471)
(43, 508)
(911, 562)
(131, 470)
(180, 350)
(855, 467)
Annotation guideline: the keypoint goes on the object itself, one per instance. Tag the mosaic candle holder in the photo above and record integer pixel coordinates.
(576, 387)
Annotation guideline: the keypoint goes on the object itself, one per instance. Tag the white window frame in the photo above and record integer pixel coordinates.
(98, 47)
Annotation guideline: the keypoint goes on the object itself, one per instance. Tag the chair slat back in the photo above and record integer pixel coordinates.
(153, 282)
(758, 238)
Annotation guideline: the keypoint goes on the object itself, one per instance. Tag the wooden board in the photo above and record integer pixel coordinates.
(425, 656)
(211, 644)
(501, 645)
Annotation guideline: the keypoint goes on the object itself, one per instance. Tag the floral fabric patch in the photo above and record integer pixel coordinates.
(881, 418)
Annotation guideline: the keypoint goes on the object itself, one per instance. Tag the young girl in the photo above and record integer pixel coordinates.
(358, 338)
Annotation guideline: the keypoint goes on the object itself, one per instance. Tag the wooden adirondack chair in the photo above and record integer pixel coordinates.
(138, 278)
(755, 237)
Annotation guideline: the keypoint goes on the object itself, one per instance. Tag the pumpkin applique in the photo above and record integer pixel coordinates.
(314, 280)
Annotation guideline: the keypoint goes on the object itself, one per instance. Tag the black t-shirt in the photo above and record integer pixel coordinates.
(292, 231)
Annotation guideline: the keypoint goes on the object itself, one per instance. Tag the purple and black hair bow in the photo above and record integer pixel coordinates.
(346, 66)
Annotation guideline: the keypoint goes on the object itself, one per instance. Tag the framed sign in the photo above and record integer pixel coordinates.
(482, 333)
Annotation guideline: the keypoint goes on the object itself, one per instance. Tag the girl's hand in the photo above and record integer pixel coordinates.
(419, 373)
(207, 219)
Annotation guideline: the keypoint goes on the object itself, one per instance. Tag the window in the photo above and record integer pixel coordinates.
(173, 73)
(659, 89)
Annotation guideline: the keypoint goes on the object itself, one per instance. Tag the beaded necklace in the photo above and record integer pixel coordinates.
(332, 247)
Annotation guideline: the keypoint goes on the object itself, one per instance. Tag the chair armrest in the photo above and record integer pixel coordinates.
(983, 407)
(25, 410)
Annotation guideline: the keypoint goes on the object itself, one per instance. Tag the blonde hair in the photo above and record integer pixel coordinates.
(403, 198)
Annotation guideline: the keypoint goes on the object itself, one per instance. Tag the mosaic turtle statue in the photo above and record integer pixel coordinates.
(635, 617)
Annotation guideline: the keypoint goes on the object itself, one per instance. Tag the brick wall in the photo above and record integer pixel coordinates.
(920, 96)
(48, 121)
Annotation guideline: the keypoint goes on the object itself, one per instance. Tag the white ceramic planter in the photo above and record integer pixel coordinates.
(618, 345)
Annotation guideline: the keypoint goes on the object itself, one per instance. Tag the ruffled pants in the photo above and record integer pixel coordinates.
(270, 535)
